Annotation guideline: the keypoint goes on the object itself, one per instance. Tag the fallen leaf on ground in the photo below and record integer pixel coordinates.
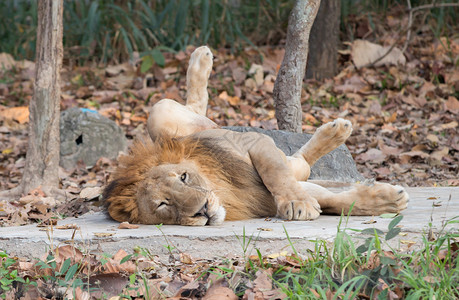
(19, 114)
(104, 234)
(364, 53)
(220, 292)
(90, 193)
(127, 225)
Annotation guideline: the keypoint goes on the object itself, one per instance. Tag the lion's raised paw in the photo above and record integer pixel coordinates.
(335, 132)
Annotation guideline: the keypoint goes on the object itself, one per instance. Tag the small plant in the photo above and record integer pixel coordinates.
(65, 275)
(170, 247)
(9, 276)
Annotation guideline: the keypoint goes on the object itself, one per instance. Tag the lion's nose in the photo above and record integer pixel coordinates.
(203, 210)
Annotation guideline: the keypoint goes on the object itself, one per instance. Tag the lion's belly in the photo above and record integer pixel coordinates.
(247, 197)
(241, 191)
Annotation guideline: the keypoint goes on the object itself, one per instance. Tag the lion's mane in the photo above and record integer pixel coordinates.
(235, 182)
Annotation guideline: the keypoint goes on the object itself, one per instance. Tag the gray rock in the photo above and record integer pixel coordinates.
(87, 136)
(338, 165)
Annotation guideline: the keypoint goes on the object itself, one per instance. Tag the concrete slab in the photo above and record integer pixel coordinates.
(225, 240)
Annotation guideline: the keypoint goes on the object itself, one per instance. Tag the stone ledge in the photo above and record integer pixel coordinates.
(222, 241)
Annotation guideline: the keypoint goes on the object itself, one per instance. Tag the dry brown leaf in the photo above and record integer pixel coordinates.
(220, 292)
(230, 99)
(450, 125)
(430, 279)
(382, 171)
(90, 193)
(365, 53)
(189, 290)
(256, 71)
(105, 96)
(372, 221)
(408, 243)
(432, 138)
(264, 229)
(18, 114)
(263, 282)
(68, 251)
(67, 226)
(239, 74)
(25, 266)
(415, 153)
(113, 265)
(6, 61)
(127, 225)
(439, 154)
(452, 105)
(251, 84)
(352, 85)
(276, 255)
(107, 285)
(103, 234)
(373, 155)
(186, 258)
(112, 71)
(392, 118)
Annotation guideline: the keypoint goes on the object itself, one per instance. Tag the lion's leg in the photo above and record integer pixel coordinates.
(197, 77)
(326, 138)
(172, 118)
(373, 199)
(292, 201)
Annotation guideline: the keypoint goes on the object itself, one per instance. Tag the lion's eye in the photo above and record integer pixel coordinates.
(184, 177)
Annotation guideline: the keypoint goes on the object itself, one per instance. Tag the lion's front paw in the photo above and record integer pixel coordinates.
(381, 198)
(306, 208)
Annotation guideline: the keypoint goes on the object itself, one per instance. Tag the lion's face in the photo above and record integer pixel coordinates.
(177, 194)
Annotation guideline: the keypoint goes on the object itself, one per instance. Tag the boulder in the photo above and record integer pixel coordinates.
(338, 165)
(87, 136)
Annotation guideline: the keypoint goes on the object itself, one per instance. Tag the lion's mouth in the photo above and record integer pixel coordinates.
(214, 215)
(204, 212)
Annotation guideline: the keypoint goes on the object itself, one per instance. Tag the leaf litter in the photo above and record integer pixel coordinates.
(404, 113)
(404, 116)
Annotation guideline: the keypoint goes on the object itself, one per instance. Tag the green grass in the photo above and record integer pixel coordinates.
(341, 269)
(111, 31)
(347, 270)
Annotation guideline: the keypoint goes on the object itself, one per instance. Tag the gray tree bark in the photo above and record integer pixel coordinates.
(288, 85)
(324, 41)
(42, 159)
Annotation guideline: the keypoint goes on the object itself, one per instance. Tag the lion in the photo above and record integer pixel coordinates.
(190, 172)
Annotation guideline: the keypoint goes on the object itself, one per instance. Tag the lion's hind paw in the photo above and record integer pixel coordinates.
(380, 198)
(334, 133)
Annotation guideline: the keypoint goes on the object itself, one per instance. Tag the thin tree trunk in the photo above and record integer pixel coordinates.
(42, 159)
(287, 89)
(324, 41)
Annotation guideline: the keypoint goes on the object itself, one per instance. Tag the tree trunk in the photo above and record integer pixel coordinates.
(42, 159)
(324, 41)
(287, 89)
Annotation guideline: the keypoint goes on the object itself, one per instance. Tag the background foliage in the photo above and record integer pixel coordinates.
(111, 30)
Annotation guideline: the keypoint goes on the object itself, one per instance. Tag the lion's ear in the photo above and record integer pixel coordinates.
(119, 197)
